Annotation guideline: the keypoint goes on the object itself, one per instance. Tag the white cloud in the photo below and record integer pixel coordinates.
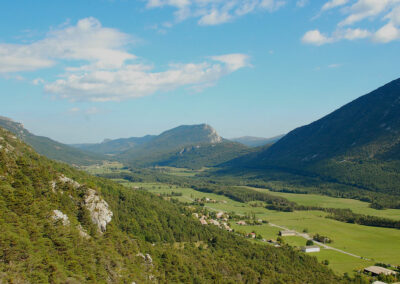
(37, 81)
(215, 17)
(365, 9)
(334, 65)
(302, 3)
(103, 70)
(315, 37)
(134, 80)
(356, 12)
(387, 34)
(352, 34)
(88, 41)
(333, 4)
(234, 61)
(215, 12)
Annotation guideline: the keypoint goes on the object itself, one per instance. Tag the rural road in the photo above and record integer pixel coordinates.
(307, 237)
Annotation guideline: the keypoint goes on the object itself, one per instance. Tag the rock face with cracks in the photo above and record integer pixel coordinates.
(100, 214)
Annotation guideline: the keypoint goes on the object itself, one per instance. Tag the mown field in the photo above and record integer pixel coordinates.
(375, 244)
(330, 202)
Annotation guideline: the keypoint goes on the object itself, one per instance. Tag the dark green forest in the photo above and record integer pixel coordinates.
(34, 247)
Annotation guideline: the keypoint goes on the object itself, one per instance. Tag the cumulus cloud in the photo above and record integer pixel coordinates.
(88, 40)
(333, 4)
(102, 69)
(315, 37)
(133, 81)
(355, 13)
(387, 33)
(215, 12)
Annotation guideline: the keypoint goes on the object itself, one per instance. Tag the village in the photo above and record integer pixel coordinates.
(313, 245)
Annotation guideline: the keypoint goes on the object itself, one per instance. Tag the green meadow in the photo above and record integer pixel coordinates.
(372, 243)
(331, 202)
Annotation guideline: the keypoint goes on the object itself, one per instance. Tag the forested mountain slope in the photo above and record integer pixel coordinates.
(191, 146)
(358, 144)
(60, 225)
(116, 146)
(50, 148)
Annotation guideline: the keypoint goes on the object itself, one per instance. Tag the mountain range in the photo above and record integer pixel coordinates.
(50, 148)
(358, 144)
(252, 141)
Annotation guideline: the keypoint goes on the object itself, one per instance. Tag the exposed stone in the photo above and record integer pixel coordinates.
(148, 258)
(98, 208)
(82, 232)
(65, 179)
(53, 186)
(58, 215)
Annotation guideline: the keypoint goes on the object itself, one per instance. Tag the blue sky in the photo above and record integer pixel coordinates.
(82, 71)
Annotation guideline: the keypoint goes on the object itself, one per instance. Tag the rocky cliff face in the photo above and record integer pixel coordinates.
(213, 136)
(99, 212)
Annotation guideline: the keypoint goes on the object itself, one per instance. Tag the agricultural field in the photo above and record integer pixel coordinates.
(180, 172)
(105, 168)
(372, 243)
(331, 202)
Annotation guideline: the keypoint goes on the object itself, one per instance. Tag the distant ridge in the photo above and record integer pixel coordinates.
(252, 141)
(358, 145)
(50, 148)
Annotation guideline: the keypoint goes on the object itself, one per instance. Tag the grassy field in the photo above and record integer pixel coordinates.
(330, 202)
(182, 172)
(376, 244)
(105, 168)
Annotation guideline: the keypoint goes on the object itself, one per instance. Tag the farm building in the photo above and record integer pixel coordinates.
(251, 235)
(287, 233)
(214, 222)
(219, 215)
(377, 270)
(311, 249)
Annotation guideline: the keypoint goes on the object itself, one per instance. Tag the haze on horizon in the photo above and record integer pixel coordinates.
(81, 72)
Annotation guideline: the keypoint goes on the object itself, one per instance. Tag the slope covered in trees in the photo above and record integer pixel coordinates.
(356, 145)
(50, 148)
(49, 233)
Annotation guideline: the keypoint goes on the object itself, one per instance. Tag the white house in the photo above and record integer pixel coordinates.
(311, 249)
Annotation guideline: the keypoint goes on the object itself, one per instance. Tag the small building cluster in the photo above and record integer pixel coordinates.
(287, 233)
(377, 270)
(308, 249)
(222, 221)
(208, 200)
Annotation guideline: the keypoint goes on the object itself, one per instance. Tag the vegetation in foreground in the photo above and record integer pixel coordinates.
(37, 248)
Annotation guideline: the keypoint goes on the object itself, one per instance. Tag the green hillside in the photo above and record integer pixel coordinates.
(117, 146)
(50, 148)
(60, 225)
(189, 146)
(356, 145)
(204, 155)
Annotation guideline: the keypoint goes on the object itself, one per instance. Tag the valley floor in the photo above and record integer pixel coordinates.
(356, 246)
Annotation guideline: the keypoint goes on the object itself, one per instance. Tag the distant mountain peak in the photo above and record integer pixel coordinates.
(6, 118)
